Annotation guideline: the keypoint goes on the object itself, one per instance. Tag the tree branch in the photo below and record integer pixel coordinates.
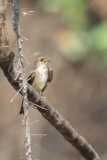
(49, 113)
(23, 81)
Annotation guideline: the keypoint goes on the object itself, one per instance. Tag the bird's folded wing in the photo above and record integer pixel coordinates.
(50, 77)
(31, 77)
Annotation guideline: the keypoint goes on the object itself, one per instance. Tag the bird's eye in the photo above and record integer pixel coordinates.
(41, 60)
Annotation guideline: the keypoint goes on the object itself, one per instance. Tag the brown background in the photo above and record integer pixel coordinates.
(78, 91)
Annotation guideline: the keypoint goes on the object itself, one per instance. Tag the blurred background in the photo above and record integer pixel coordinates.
(73, 33)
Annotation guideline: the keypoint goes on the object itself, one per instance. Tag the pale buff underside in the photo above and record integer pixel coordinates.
(40, 79)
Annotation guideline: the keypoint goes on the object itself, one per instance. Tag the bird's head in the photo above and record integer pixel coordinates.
(42, 61)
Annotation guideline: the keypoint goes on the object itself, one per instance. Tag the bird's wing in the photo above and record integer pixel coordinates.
(50, 77)
(31, 77)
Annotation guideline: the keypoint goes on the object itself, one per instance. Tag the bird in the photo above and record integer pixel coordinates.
(40, 76)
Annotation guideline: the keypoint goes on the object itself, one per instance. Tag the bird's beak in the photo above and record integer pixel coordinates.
(49, 59)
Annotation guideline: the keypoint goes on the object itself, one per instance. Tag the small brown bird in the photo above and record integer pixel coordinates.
(40, 77)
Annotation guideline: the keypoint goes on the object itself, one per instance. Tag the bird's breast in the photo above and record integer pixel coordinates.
(40, 80)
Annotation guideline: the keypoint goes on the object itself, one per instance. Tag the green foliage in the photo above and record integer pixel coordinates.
(99, 37)
(75, 45)
(77, 42)
(73, 11)
(99, 41)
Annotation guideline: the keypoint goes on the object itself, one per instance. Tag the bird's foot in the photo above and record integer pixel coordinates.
(45, 98)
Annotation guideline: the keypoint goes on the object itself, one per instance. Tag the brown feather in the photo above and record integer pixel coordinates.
(31, 77)
(50, 75)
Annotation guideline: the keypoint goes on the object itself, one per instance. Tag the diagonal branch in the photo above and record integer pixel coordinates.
(49, 113)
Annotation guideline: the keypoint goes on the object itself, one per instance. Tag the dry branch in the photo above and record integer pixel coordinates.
(49, 113)
(23, 81)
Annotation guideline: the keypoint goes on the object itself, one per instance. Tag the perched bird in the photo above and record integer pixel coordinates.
(40, 77)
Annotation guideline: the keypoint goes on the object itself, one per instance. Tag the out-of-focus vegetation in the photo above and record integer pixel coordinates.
(85, 30)
(73, 11)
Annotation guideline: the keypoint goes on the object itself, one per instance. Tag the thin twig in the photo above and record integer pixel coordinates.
(36, 106)
(16, 27)
(34, 122)
(42, 135)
